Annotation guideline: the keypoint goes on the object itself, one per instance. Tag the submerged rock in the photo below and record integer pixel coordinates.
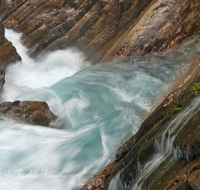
(33, 112)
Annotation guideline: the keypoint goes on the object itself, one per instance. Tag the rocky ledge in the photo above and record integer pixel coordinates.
(103, 29)
(8, 54)
(37, 113)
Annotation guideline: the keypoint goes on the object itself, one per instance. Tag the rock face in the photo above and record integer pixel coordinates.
(3, 9)
(104, 29)
(8, 53)
(37, 113)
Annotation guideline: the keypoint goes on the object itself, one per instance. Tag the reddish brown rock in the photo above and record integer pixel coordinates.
(33, 112)
(93, 26)
(164, 25)
(8, 52)
(104, 29)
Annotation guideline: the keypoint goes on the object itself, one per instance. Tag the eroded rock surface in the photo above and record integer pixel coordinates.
(3, 9)
(8, 53)
(104, 29)
(33, 112)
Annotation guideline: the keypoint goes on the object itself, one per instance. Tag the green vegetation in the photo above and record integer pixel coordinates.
(136, 31)
(152, 15)
(177, 108)
(195, 89)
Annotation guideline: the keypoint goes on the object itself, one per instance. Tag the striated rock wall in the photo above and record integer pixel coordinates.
(3, 9)
(164, 25)
(103, 29)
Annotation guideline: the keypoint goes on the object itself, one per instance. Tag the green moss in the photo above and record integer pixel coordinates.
(195, 89)
(136, 31)
(177, 108)
(152, 15)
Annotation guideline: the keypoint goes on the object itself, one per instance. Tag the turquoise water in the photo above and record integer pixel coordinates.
(99, 108)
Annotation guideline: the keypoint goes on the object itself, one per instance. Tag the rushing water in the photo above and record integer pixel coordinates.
(99, 107)
(165, 147)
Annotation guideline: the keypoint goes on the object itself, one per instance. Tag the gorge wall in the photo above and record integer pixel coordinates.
(103, 29)
(8, 52)
(113, 29)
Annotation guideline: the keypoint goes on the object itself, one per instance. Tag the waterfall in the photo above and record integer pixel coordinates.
(99, 108)
(164, 147)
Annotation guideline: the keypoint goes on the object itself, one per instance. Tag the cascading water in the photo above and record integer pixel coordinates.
(165, 147)
(99, 107)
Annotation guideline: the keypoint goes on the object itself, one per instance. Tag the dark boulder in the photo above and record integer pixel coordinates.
(33, 112)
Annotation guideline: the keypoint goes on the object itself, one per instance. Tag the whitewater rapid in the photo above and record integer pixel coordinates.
(99, 108)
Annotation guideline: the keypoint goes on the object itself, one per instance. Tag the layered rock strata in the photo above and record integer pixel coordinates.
(103, 29)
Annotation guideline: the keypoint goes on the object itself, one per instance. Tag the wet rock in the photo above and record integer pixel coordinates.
(2, 33)
(33, 112)
(8, 52)
(2, 79)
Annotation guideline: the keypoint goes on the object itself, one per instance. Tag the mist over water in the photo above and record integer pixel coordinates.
(99, 108)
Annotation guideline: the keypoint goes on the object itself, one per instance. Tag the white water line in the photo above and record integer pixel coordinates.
(164, 148)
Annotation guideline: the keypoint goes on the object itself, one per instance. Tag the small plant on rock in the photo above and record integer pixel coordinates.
(195, 89)
(177, 108)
